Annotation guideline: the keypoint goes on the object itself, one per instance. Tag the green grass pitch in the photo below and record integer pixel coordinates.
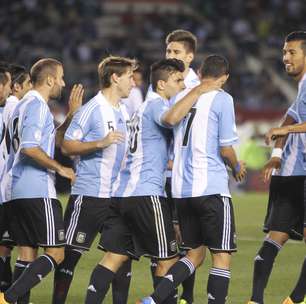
(249, 210)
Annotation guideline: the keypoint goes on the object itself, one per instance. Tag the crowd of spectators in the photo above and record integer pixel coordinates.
(81, 33)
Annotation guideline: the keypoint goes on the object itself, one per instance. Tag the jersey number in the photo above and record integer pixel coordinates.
(134, 130)
(16, 140)
(192, 113)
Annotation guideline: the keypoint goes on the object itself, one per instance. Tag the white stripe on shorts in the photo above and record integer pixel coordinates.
(226, 237)
(49, 222)
(74, 219)
(160, 227)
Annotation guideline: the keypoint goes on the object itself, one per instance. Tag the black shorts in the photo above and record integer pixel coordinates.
(139, 225)
(84, 219)
(286, 211)
(37, 222)
(207, 220)
(6, 239)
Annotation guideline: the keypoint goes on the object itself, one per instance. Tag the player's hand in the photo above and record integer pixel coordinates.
(208, 85)
(273, 163)
(75, 98)
(274, 133)
(113, 137)
(239, 172)
(66, 172)
(178, 235)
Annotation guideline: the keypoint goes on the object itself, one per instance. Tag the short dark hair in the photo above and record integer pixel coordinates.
(113, 65)
(43, 68)
(19, 73)
(185, 37)
(214, 66)
(4, 70)
(162, 69)
(298, 36)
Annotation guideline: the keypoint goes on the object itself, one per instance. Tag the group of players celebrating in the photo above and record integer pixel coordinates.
(119, 177)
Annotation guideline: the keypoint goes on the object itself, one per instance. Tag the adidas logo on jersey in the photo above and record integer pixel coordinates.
(120, 121)
(92, 288)
(169, 277)
(211, 297)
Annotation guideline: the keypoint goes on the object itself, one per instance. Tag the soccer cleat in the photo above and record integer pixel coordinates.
(289, 301)
(251, 302)
(183, 301)
(147, 300)
(2, 300)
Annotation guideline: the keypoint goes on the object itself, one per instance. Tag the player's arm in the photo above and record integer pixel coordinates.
(76, 147)
(180, 109)
(275, 160)
(230, 158)
(75, 102)
(42, 158)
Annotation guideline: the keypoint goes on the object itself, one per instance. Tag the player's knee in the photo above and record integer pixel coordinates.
(196, 256)
(221, 260)
(58, 254)
(279, 237)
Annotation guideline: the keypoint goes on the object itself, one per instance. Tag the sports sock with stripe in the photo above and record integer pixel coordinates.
(263, 265)
(175, 276)
(217, 285)
(299, 291)
(188, 287)
(20, 267)
(121, 283)
(99, 283)
(64, 274)
(32, 275)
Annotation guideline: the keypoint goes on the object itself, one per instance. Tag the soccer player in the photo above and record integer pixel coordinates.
(202, 145)
(286, 213)
(181, 45)
(20, 85)
(98, 135)
(37, 214)
(139, 220)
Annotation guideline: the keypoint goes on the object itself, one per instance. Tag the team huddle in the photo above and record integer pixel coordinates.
(186, 125)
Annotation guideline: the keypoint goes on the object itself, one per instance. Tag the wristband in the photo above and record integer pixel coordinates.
(277, 152)
(237, 168)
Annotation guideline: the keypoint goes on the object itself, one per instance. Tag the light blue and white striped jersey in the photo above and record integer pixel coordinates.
(32, 126)
(144, 171)
(2, 161)
(5, 165)
(293, 160)
(198, 167)
(97, 171)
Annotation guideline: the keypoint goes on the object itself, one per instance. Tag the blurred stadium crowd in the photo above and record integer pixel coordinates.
(249, 32)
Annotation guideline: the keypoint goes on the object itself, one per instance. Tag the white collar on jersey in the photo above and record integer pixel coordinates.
(12, 99)
(101, 98)
(302, 80)
(34, 93)
(192, 79)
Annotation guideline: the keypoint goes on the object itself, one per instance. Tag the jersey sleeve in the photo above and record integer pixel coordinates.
(80, 125)
(227, 125)
(159, 108)
(292, 111)
(33, 123)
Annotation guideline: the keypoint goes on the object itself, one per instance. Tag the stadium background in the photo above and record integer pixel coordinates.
(249, 33)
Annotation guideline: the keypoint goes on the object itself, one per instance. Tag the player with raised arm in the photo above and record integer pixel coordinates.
(202, 145)
(140, 222)
(98, 136)
(37, 214)
(286, 209)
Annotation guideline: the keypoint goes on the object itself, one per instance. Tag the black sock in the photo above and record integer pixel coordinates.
(63, 276)
(20, 267)
(217, 285)
(299, 291)
(263, 265)
(175, 276)
(188, 286)
(5, 273)
(32, 275)
(153, 266)
(99, 283)
(172, 298)
(121, 283)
